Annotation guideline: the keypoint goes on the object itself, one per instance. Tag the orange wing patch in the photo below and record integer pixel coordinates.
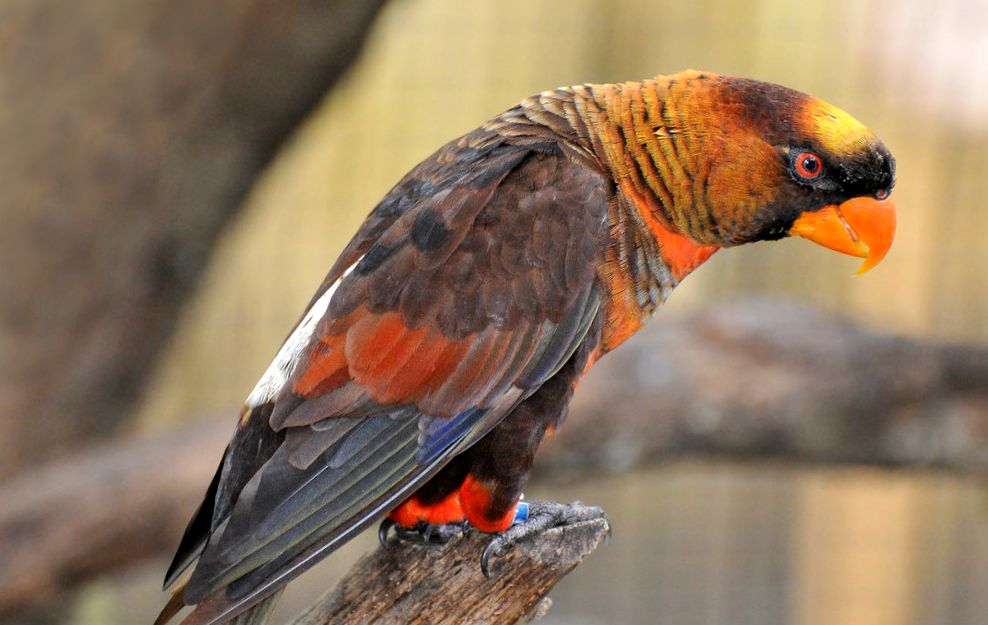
(396, 364)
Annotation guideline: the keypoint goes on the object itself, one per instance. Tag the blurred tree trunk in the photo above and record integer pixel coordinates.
(131, 133)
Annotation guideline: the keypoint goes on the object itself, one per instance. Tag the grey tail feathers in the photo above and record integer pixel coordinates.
(257, 614)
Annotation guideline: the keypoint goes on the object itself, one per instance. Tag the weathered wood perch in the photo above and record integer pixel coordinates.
(756, 378)
(444, 586)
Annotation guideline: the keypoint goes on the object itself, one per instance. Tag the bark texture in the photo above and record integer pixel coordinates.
(444, 586)
(131, 132)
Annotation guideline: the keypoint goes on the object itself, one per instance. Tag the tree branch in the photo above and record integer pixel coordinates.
(444, 586)
(761, 378)
(99, 511)
(755, 378)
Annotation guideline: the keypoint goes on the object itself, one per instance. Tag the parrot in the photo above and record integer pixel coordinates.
(447, 339)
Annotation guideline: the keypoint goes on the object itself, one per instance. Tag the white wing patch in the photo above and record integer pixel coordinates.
(284, 363)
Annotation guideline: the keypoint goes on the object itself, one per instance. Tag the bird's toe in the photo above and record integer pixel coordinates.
(420, 534)
(541, 516)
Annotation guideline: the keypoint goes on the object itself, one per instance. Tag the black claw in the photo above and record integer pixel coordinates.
(485, 558)
(383, 530)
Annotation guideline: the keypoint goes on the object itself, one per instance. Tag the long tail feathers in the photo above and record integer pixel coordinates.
(173, 607)
(257, 614)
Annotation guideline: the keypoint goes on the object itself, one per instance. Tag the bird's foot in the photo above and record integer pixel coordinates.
(422, 533)
(542, 515)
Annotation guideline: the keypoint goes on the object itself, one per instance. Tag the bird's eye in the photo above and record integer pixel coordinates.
(881, 194)
(808, 165)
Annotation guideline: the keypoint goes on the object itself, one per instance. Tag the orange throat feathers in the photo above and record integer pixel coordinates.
(682, 254)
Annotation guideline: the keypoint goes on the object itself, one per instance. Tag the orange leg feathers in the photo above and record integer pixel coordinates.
(443, 512)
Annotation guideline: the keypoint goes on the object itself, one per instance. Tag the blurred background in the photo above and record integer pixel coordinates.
(703, 538)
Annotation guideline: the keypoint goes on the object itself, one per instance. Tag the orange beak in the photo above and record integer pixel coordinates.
(862, 227)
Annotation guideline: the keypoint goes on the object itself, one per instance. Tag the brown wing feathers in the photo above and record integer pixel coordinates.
(471, 289)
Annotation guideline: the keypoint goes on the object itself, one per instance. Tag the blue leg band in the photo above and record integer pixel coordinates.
(521, 513)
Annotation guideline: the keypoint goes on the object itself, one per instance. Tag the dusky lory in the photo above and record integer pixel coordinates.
(451, 332)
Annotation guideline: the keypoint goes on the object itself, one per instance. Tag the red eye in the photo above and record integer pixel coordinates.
(808, 165)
